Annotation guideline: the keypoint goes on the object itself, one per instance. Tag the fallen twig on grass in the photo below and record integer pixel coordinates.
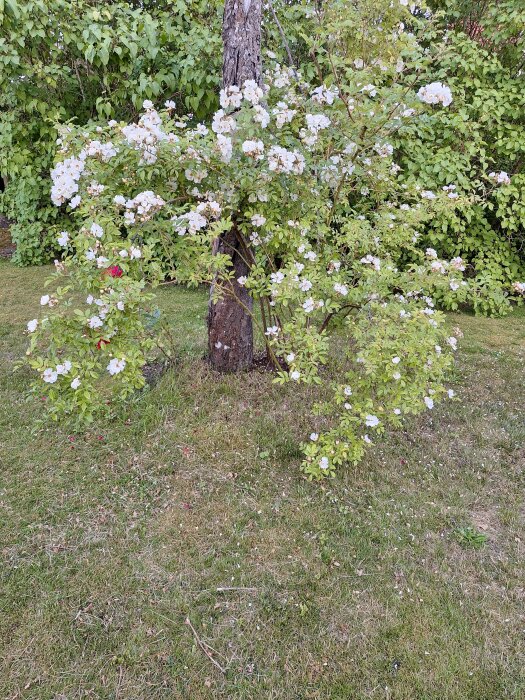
(235, 588)
(205, 646)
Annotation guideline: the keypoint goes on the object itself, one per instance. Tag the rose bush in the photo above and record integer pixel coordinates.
(329, 231)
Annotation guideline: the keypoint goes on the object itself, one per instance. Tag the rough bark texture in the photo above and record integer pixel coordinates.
(230, 328)
(241, 37)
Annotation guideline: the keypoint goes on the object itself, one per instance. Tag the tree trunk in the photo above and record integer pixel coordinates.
(241, 37)
(230, 327)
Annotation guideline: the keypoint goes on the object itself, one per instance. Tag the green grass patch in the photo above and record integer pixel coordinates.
(192, 506)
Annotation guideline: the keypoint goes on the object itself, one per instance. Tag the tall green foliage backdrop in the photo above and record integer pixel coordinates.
(479, 49)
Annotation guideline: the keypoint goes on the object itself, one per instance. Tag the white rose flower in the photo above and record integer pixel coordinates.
(64, 368)
(49, 375)
(305, 285)
(253, 149)
(309, 305)
(97, 230)
(435, 93)
(116, 366)
(258, 220)
(95, 322)
(63, 238)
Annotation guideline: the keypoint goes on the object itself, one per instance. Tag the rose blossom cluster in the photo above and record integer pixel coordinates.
(193, 221)
(254, 149)
(146, 205)
(500, 178)
(104, 151)
(435, 93)
(283, 114)
(146, 134)
(324, 95)
(445, 266)
(281, 160)
(51, 374)
(65, 176)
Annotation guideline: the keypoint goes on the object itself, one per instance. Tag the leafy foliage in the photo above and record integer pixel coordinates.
(477, 48)
(83, 61)
(470, 537)
(63, 61)
(482, 133)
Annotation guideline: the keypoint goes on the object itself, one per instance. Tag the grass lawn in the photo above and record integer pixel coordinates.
(193, 508)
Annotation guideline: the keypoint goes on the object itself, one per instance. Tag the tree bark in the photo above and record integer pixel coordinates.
(241, 38)
(230, 327)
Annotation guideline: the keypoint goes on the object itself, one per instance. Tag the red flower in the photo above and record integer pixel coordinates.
(102, 342)
(115, 271)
